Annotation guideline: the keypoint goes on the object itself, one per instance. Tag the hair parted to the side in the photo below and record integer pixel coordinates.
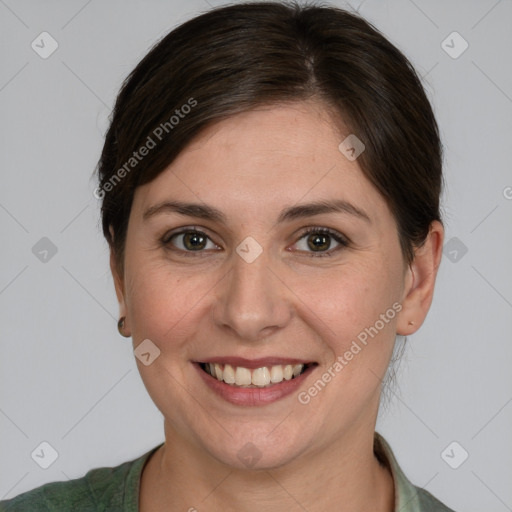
(238, 57)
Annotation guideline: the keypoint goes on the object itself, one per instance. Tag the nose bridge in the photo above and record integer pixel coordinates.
(252, 302)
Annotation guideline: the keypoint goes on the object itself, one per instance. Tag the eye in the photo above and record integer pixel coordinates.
(316, 241)
(320, 240)
(188, 240)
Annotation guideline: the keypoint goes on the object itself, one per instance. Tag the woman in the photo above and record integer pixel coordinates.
(270, 188)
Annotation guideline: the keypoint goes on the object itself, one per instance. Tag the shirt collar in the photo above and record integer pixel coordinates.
(406, 494)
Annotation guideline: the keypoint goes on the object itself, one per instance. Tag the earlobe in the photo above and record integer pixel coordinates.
(419, 282)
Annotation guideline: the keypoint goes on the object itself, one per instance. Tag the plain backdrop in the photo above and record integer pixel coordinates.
(68, 378)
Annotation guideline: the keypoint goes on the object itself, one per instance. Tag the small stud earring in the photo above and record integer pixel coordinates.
(120, 327)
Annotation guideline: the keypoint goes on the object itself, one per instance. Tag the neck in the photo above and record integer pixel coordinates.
(344, 477)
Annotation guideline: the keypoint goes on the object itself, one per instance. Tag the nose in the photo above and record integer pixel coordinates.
(252, 300)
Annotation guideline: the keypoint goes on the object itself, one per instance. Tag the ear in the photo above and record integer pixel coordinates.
(118, 278)
(420, 280)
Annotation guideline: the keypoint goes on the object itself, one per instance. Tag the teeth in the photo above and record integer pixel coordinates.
(242, 376)
(288, 372)
(276, 374)
(229, 374)
(259, 377)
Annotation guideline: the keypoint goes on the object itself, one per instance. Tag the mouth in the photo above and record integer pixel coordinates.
(253, 376)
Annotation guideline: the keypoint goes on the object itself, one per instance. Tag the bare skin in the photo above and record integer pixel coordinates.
(288, 302)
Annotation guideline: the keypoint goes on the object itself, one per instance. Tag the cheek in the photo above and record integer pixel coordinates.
(169, 305)
(345, 308)
(355, 308)
(348, 300)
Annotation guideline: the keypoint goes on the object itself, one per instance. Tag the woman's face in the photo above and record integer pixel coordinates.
(251, 288)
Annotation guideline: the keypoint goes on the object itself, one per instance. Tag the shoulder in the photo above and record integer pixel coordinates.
(53, 496)
(408, 497)
(101, 489)
(429, 503)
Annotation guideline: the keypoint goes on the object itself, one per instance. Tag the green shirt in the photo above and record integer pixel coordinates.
(117, 489)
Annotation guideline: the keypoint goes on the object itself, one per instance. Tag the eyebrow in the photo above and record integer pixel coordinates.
(300, 211)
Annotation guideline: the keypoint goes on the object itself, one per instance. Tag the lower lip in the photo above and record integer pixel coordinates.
(253, 396)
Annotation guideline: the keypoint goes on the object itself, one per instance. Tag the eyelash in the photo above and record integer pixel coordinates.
(343, 241)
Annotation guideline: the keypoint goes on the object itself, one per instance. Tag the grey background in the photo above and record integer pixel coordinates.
(69, 379)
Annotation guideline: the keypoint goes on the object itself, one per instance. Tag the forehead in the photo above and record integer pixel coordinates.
(255, 162)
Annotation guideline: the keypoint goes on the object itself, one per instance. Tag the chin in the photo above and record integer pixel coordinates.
(248, 449)
(253, 456)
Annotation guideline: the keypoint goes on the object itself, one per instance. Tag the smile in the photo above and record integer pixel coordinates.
(253, 382)
(261, 377)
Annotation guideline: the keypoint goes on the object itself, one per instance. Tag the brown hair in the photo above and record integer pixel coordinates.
(234, 58)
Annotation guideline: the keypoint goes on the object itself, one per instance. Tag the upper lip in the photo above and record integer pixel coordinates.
(255, 363)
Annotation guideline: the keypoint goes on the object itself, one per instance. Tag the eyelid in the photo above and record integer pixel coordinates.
(328, 231)
(182, 230)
